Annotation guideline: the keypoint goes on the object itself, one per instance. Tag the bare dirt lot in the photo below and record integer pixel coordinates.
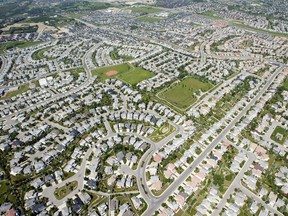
(111, 73)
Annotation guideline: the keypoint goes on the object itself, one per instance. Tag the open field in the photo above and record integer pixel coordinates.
(38, 55)
(148, 19)
(54, 21)
(4, 188)
(135, 75)
(76, 71)
(101, 72)
(20, 29)
(181, 95)
(211, 14)
(241, 25)
(126, 72)
(19, 44)
(11, 94)
(279, 135)
(145, 10)
(162, 132)
(63, 191)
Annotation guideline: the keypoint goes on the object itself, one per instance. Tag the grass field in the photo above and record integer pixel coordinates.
(21, 90)
(181, 95)
(101, 72)
(145, 10)
(76, 71)
(282, 133)
(20, 44)
(162, 132)
(4, 188)
(38, 55)
(243, 26)
(126, 72)
(135, 75)
(63, 191)
(211, 14)
(148, 19)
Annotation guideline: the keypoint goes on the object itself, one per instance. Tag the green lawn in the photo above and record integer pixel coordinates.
(101, 72)
(285, 84)
(21, 90)
(279, 135)
(162, 132)
(63, 191)
(76, 71)
(148, 19)
(13, 44)
(135, 75)
(243, 26)
(56, 21)
(126, 72)
(211, 14)
(38, 55)
(145, 10)
(181, 95)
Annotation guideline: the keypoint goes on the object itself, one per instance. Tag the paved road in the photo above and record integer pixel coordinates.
(55, 125)
(170, 190)
(259, 200)
(79, 177)
(87, 82)
(4, 62)
(235, 184)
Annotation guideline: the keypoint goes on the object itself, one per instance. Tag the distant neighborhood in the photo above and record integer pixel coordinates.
(156, 108)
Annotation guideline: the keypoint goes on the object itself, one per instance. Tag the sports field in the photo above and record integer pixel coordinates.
(182, 94)
(135, 75)
(125, 72)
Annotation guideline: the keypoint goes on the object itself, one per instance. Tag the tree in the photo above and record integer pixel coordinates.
(218, 179)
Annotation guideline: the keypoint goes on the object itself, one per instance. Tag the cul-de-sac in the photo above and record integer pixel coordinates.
(144, 107)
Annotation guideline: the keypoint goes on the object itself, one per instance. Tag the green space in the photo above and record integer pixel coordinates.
(211, 14)
(39, 54)
(135, 75)
(4, 188)
(221, 177)
(101, 72)
(11, 94)
(246, 44)
(183, 93)
(162, 132)
(56, 21)
(148, 19)
(285, 83)
(115, 56)
(279, 135)
(126, 72)
(13, 44)
(96, 200)
(22, 29)
(241, 25)
(76, 71)
(63, 191)
(82, 5)
(145, 10)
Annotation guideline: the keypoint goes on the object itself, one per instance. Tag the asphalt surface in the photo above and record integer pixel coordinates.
(170, 190)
